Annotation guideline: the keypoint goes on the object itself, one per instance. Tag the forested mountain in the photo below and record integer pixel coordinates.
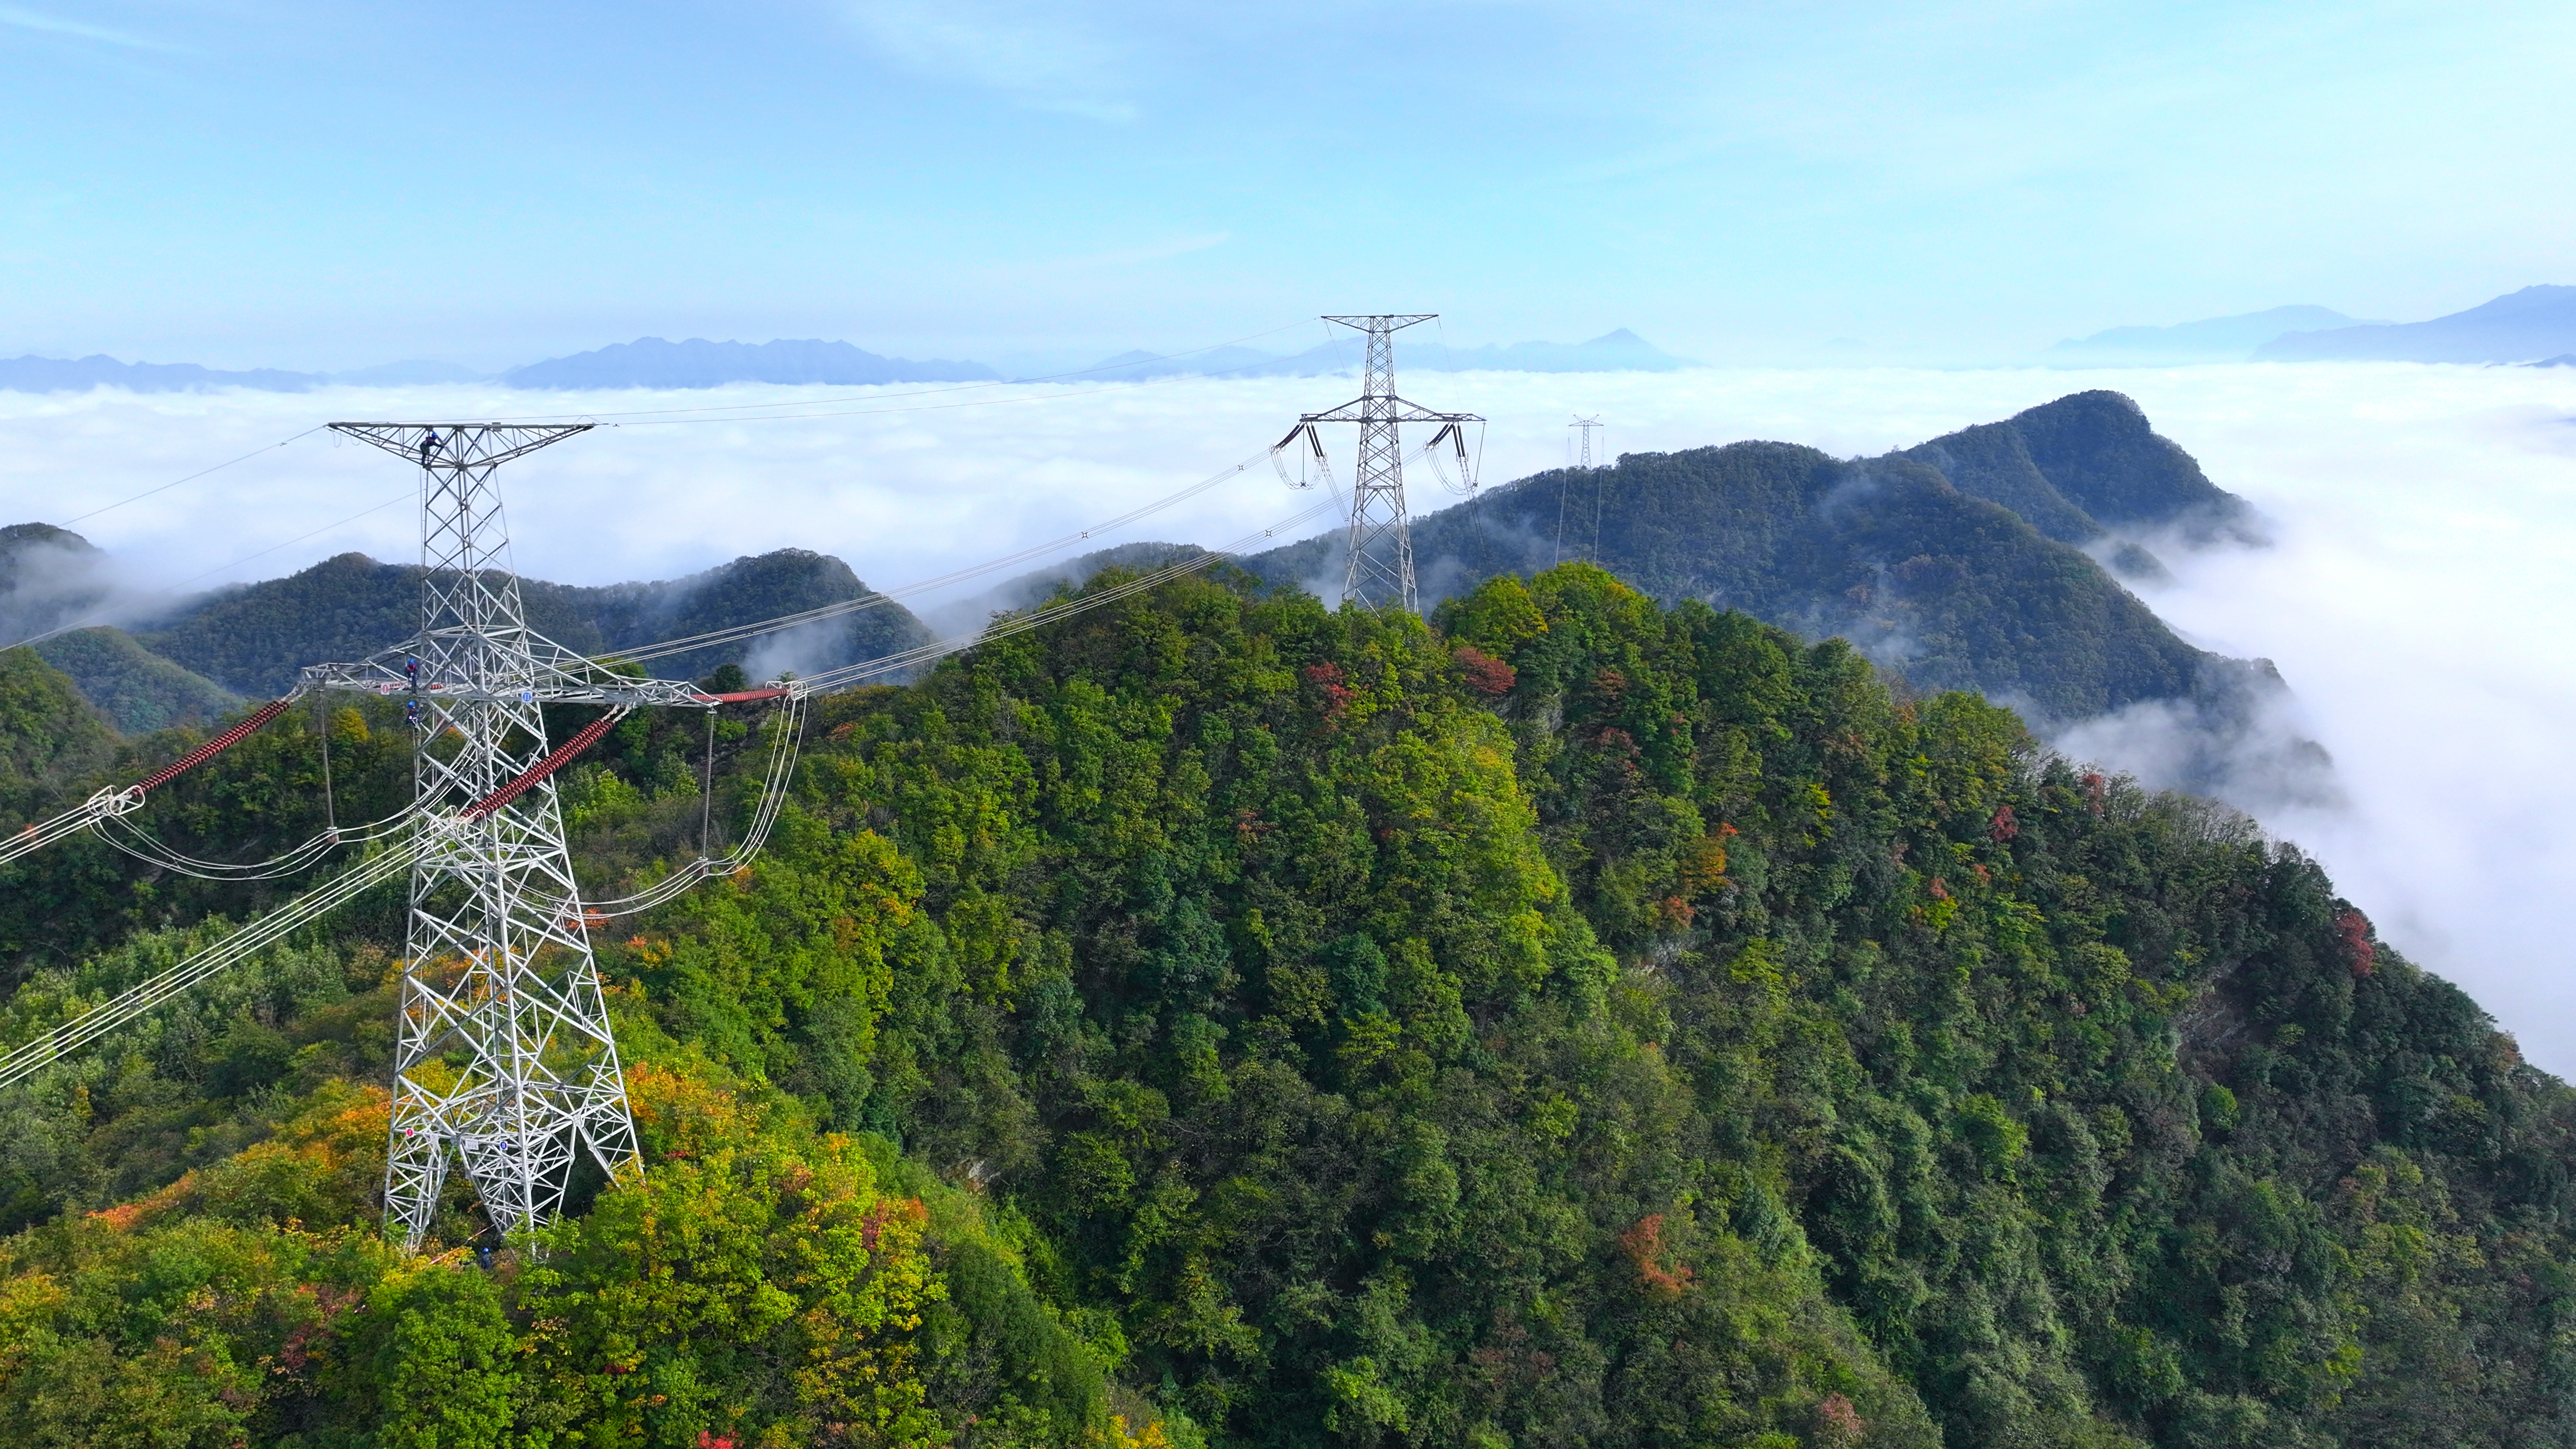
(135, 688)
(1568, 1021)
(49, 735)
(1953, 562)
(2086, 465)
(49, 577)
(255, 637)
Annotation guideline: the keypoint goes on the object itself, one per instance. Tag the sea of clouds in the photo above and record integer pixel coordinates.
(2415, 598)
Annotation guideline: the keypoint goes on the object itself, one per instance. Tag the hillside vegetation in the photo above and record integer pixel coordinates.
(136, 689)
(1569, 1021)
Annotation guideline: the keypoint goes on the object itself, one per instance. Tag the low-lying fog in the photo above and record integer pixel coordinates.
(2416, 599)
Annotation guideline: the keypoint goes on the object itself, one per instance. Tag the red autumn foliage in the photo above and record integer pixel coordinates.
(1838, 1423)
(713, 1441)
(2353, 929)
(1674, 914)
(2096, 789)
(1484, 673)
(910, 1210)
(1644, 1243)
(2003, 827)
(1327, 679)
(1939, 888)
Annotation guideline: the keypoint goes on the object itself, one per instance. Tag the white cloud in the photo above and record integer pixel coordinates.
(11, 15)
(1034, 55)
(2417, 600)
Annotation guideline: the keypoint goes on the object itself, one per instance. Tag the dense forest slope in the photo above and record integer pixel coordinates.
(1572, 1021)
(137, 689)
(256, 636)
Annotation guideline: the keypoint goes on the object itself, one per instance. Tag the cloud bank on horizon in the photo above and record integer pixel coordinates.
(2414, 598)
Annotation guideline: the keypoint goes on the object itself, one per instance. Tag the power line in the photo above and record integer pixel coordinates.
(193, 477)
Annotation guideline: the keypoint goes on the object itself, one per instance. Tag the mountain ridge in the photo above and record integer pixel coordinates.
(2535, 322)
(1938, 577)
(255, 638)
(2211, 339)
(699, 363)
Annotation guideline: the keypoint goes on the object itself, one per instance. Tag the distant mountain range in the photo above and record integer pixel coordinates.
(2534, 323)
(2216, 339)
(58, 374)
(655, 363)
(652, 362)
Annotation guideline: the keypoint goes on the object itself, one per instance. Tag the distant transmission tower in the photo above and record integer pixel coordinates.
(1585, 426)
(502, 1053)
(1381, 540)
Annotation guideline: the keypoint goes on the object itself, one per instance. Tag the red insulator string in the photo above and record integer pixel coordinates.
(213, 747)
(589, 736)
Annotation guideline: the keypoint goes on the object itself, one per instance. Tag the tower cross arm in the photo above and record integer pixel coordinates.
(474, 445)
(558, 676)
(1383, 321)
(1374, 410)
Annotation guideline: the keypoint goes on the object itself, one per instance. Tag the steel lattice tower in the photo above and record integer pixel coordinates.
(1380, 568)
(1585, 426)
(503, 1050)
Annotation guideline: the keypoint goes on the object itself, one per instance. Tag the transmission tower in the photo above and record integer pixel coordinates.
(1380, 570)
(1585, 426)
(503, 1055)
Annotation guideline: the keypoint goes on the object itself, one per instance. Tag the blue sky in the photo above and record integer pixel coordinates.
(267, 182)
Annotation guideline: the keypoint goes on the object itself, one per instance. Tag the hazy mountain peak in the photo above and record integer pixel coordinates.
(2212, 339)
(2537, 321)
(57, 374)
(698, 362)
